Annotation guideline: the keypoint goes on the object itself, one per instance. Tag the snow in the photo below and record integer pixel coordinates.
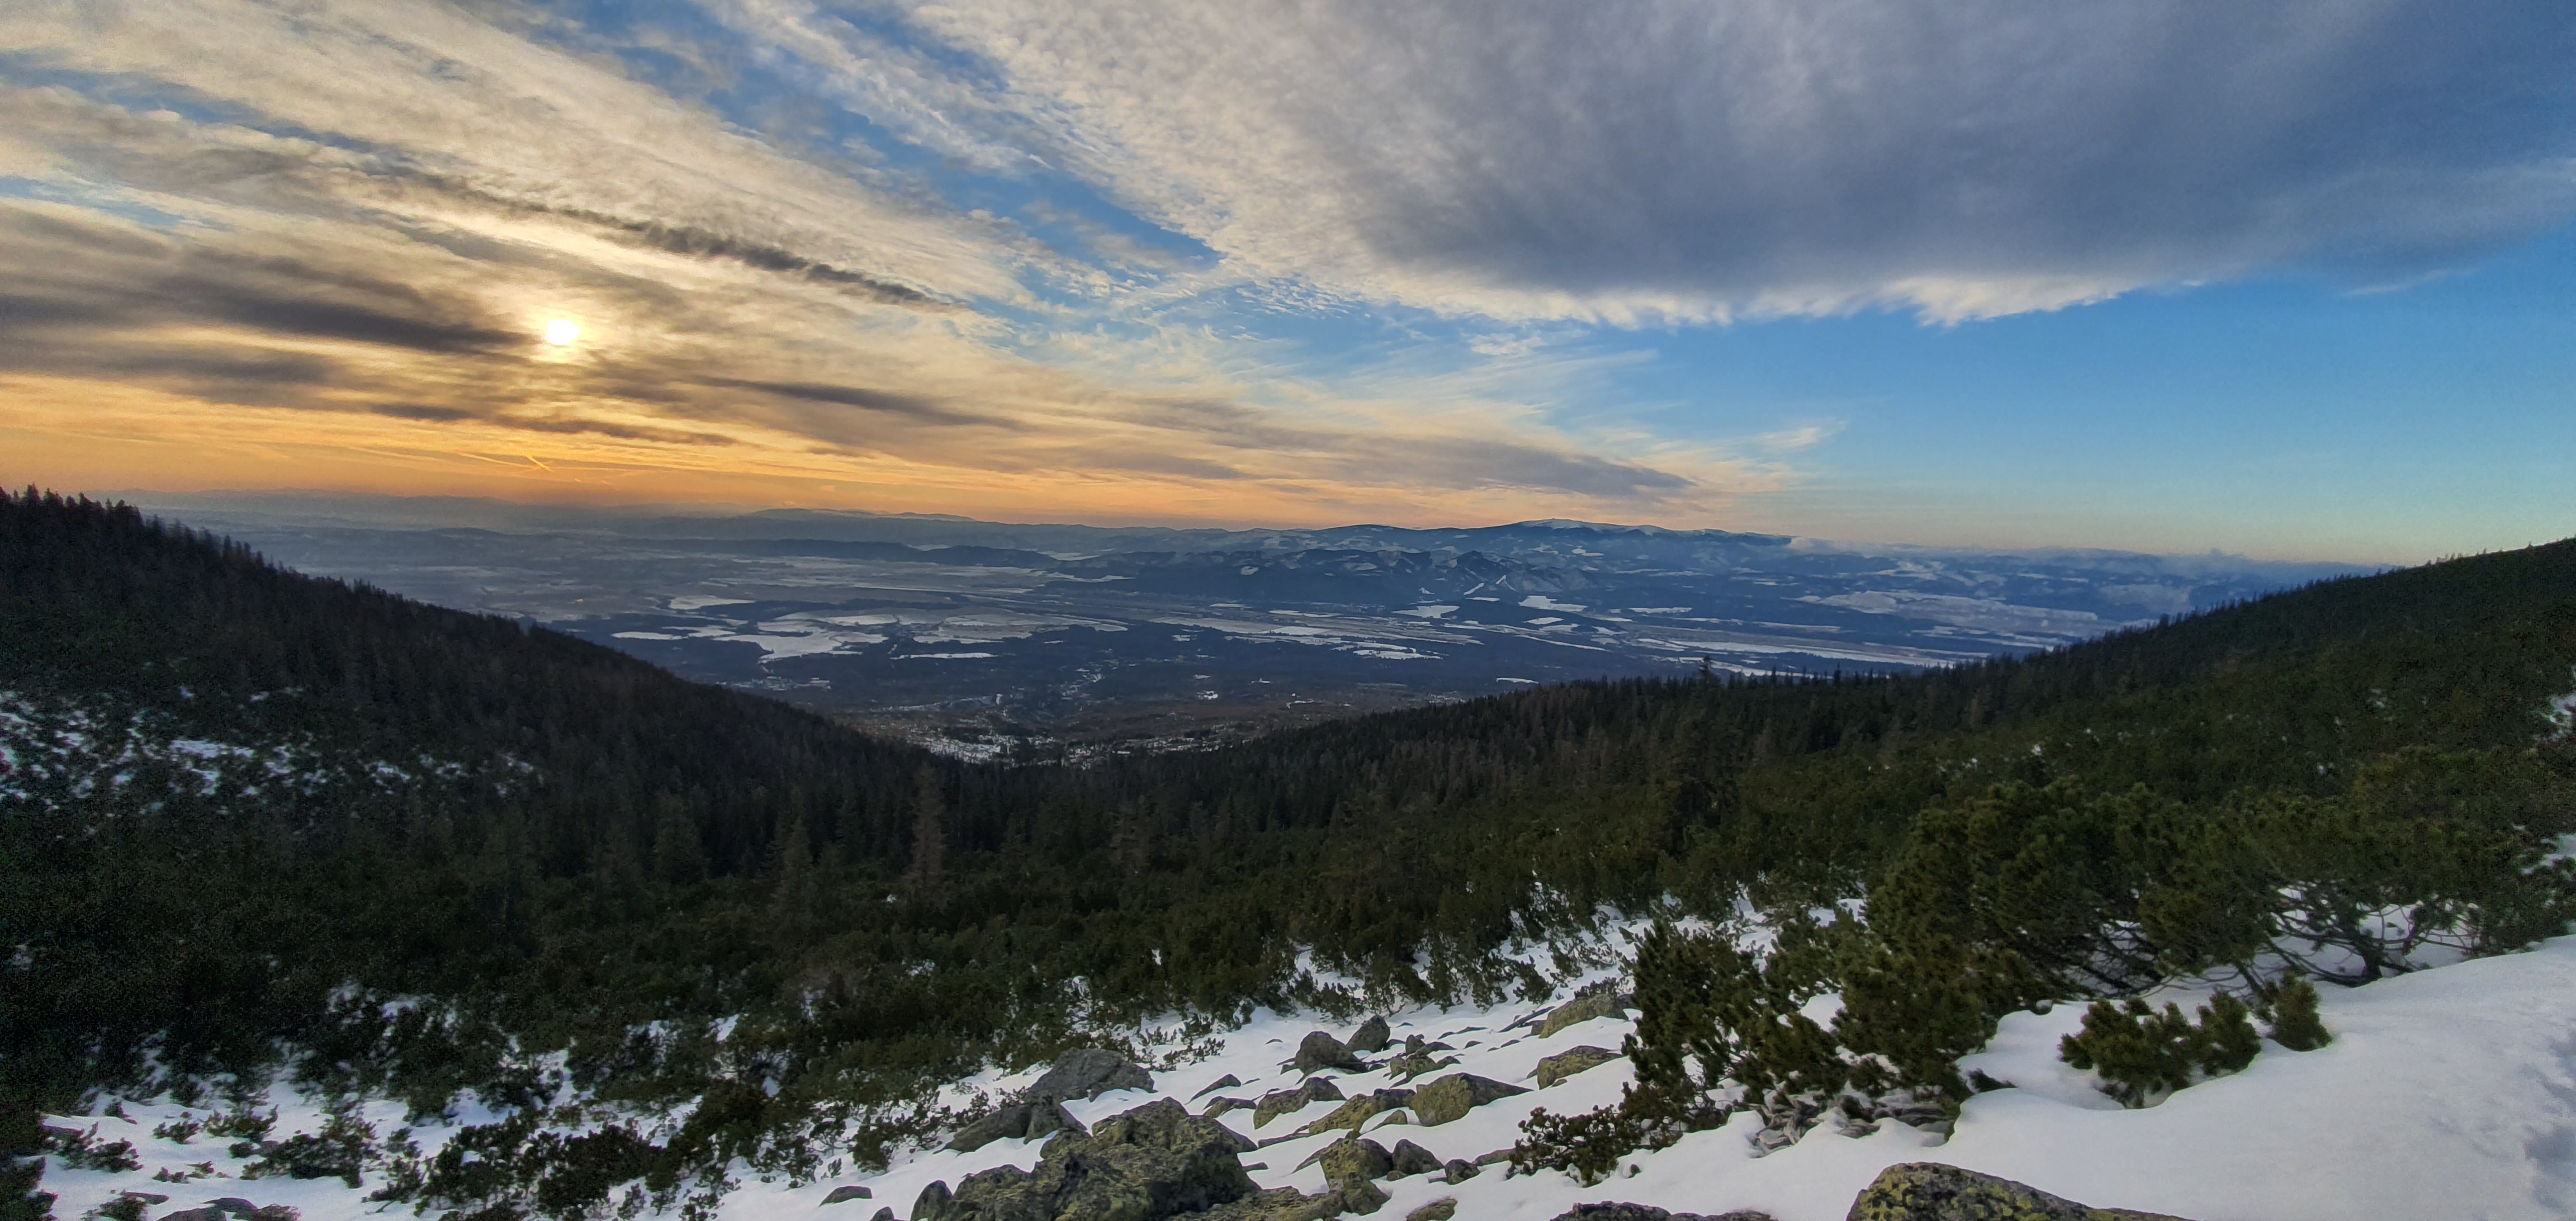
(1545, 603)
(698, 602)
(1429, 611)
(2447, 1093)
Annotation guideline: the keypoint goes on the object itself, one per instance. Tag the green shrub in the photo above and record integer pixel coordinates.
(84, 1151)
(2143, 1055)
(2294, 1020)
(1587, 1145)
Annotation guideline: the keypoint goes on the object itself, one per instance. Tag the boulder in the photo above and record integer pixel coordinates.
(1930, 1191)
(1320, 1051)
(1221, 1104)
(1582, 1009)
(1009, 1123)
(1226, 1082)
(1280, 1102)
(1459, 1170)
(1371, 1037)
(844, 1194)
(1573, 1060)
(1153, 1162)
(1048, 1117)
(1351, 1159)
(1089, 1072)
(1451, 1097)
(883, 1214)
(1359, 1110)
(1441, 1209)
(1408, 1159)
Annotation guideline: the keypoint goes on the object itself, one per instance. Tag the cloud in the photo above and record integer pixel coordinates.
(1637, 161)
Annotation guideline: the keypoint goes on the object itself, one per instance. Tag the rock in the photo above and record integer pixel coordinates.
(1280, 1102)
(883, 1214)
(1226, 1082)
(1048, 1117)
(1222, 1104)
(1153, 1162)
(1351, 1159)
(1441, 1209)
(1320, 1051)
(1459, 1170)
(1413, 1064)
(1573, 1060)
(235, 1205)
(1358, 1111)
(1930, 1191)
(1089, 1072)
(844, 1194)
(1451, 1097)
(194, 1214)
(1408, 1159)
(1362, 1197)
(1009, 1123)
(153, 1198)
(1582, 1009)
(1372, 1036)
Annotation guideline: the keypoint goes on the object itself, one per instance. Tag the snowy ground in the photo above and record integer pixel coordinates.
(2447, 1094)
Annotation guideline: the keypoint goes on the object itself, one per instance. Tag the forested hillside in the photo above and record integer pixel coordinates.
(244, 810)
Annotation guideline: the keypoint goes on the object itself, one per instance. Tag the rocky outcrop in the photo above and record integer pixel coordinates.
(1370, 1038)
(1153, 1162)
(1451, 1097)
(1583, 1009)
(1320, 1051)
(844, 1194)
(1930, 1191)
(1442, 1209)
(1573, 1060)
(1036, 1113)
(1089, 1072)
(1281, 1102)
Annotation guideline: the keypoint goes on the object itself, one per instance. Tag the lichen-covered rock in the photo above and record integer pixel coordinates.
(1089, 1072)
(1441, 1209)
(1281, 1102)
(845, 1193)
(1221, 1104)
(1572, 1060)
(1351, 1159)
(1371, 1037)
(1320, 1051)
(1360, 1110)
(1155, 1161)
(1459, 1170)
(1412, 1064)
(1408, 1159)
(1930, 1191)
(1582, 1009)
(1451, 1097)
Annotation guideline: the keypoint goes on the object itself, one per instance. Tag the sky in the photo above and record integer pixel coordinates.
(2293, 280)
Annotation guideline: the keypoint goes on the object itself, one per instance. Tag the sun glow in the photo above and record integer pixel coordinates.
(562, 331)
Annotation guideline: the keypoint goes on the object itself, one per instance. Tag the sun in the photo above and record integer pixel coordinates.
(562, 331)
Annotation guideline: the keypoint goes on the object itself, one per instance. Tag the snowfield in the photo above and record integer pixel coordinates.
(2448, 1093)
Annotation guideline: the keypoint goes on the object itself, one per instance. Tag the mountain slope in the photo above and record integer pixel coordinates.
(490, 843)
